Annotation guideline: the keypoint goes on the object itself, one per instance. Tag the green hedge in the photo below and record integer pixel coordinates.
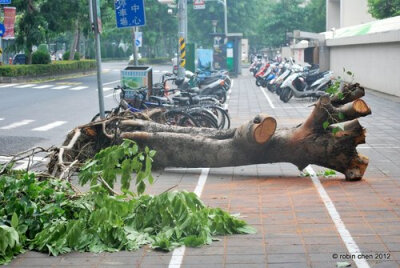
(154, 60)
(57, 67)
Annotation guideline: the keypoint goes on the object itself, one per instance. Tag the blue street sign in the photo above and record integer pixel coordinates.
(130, 13)
(5, 2)
(2, 29)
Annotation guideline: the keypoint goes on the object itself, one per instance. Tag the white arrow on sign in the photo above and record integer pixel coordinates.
(138, 39)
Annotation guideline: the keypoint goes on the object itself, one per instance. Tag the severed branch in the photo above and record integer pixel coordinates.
(257, 141)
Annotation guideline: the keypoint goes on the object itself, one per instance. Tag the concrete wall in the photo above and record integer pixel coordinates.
(344, 13)
(332, 14)
(376, 66)
(348, 16)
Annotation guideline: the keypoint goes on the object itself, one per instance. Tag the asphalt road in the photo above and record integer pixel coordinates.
(41, 114)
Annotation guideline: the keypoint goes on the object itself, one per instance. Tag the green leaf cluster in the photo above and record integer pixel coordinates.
(120, 160)
(47, 215)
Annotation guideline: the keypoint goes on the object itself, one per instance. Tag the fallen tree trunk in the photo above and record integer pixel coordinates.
(328, 137)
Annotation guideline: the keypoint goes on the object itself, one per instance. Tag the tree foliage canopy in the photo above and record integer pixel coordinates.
(263, 22)
(381, 9)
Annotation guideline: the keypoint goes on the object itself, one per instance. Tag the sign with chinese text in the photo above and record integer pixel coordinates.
(5, 2)
(130, 13)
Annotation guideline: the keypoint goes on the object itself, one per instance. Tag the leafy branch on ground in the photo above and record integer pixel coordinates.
(327, 173)
(335, 90)
(47, 215)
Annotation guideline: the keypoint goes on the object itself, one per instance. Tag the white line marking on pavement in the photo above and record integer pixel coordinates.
(348, 240)
(107, 89)
(178, 253)
(78, 88)
(8, 85)
(1, 119)
(4, 158)
(111, 94)
(44, 86)
(26, 85)
(17, 124)
(49, 126)
(113, 82)
(61, 87)
(267, 97)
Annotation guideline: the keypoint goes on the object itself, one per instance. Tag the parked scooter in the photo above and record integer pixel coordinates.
(306, 84)
(216, 88)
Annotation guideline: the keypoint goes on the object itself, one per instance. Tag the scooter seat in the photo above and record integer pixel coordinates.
(195, 90)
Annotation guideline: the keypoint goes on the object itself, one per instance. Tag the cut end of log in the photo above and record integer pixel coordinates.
(264, 130)
(357, 168)
(361, 107)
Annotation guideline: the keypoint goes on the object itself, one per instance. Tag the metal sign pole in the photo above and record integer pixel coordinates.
(98, 56)
(182, 13)
(135, 49)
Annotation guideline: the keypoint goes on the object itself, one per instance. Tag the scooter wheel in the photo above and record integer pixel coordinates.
(286, 94)
(221, 96)
(258, 83)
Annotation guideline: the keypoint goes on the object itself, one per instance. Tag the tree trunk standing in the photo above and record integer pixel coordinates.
(74, 41)
(255, 142)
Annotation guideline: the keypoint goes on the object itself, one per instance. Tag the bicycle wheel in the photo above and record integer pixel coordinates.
(180, 118)
(224, 122)
(97, 116)
(204, 117)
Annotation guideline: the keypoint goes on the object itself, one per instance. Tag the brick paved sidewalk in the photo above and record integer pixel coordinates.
(294, 226)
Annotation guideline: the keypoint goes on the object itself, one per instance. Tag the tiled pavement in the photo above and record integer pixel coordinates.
(294, 226)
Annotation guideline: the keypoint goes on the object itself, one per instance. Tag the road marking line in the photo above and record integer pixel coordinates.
(78, 88)
(4, 158)
(113, 82)
(18, 124)
(26, 85)
(8, 85)
(178, 253)
(1, 119)
(61, 87)
(112, 94)
(267, 97)
(44, 86)
(107, 89)
(348, 240)
(50, 126)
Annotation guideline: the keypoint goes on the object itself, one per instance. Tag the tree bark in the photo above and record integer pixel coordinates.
(255, 142)
(74, 42)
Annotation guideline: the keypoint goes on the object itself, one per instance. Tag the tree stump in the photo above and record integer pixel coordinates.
(328, 138)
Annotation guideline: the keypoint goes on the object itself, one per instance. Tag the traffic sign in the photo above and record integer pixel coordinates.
(138, 39)
(199, 4)
(130, 13)
(5, 2)
(2, 29)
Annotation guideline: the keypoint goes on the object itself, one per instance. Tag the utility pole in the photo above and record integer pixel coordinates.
(94, 20)
(182, 14)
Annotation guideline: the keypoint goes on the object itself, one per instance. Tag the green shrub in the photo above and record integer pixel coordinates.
(57, 67)
(153, 60)
(43, 48)
(41, 57)
(77, 56)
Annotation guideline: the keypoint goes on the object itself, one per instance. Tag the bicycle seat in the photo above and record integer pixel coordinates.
(158, 99)
(181, 100)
